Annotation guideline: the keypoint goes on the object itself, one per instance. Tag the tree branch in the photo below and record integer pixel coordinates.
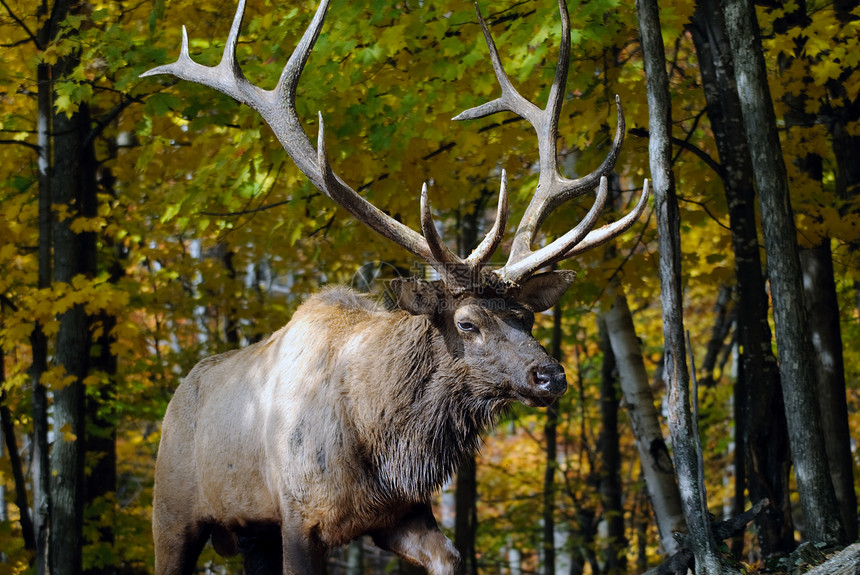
(32, 37)
(698, 152)
(33, 147)
(104, 121)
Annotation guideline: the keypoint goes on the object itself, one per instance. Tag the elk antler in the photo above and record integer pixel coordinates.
(277, 107)
(553, 189)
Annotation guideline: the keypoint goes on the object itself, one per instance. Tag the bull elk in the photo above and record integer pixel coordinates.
(345, 421)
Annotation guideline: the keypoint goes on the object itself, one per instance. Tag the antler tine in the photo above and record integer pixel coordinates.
(481, 254)
(514, 272)
(289, 80)
(603, 234)
(554, 189)
(226, 76)
(510, 100)
(445, 261)
(456, 271)
(556, 92)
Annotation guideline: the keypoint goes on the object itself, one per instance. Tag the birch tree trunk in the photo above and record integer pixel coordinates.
(822, 519)
(681, 426)
(657, 467)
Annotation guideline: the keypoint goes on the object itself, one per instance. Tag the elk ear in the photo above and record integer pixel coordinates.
(542, 291)
(416, 296)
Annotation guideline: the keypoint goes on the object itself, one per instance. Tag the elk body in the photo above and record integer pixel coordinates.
(344, 422)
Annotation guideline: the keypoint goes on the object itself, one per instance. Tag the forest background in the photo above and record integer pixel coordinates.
(148, 224)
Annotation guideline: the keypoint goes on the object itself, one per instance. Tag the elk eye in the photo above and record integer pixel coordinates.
(467, 326)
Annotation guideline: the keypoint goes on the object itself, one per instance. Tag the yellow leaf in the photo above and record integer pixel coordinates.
(68, 435)
(824, 71)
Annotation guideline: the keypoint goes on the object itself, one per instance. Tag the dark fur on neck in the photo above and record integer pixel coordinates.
(434, 414)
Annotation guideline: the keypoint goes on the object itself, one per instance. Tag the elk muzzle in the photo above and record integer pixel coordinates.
(545, 384)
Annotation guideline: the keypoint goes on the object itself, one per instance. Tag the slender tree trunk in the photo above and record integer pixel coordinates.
(725, 319)
(764, 441)
(355, 558)
(641, 522)
(231, 322)
(465, 524)
(550, 433)
(820, 297)
(822, 519)
(41, 466)
(739, 460)
(7, 431)
(846, 150)
(101, 418)
(823, 313)
(585, 525)
(610, 460)
(67, 454)
(73, 188)
(465, 520)
(693, 500)
(101, 480)
(657, 467)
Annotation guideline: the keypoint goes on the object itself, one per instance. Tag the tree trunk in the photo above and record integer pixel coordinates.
(466, 508)
(763, 441)
(550, 433)
(641, 523)
(41, 466)
(657, 467)
(725, 319)
(846, 150)
(818, 501)
(355, 557)
(101, 480)
(7, 432)
(465, 522)
(73, 187)
(739, 460)
(101, 417)
(231, 322)
(610, 461)
(823, 313)
(681, 427)
(67, 454)
(820, 296)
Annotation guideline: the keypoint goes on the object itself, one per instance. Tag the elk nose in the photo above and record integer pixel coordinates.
(550, 378)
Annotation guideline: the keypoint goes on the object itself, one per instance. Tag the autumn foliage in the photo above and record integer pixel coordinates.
(204, 236)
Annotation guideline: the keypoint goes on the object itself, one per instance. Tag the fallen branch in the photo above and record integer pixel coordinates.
(680, 562)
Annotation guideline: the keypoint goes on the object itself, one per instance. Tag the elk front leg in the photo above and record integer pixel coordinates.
(302, 551)
(417, 539)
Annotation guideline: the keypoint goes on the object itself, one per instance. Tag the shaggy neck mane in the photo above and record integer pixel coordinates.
(432, 419)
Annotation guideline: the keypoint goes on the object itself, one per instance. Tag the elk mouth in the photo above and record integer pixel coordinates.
(543, 386)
